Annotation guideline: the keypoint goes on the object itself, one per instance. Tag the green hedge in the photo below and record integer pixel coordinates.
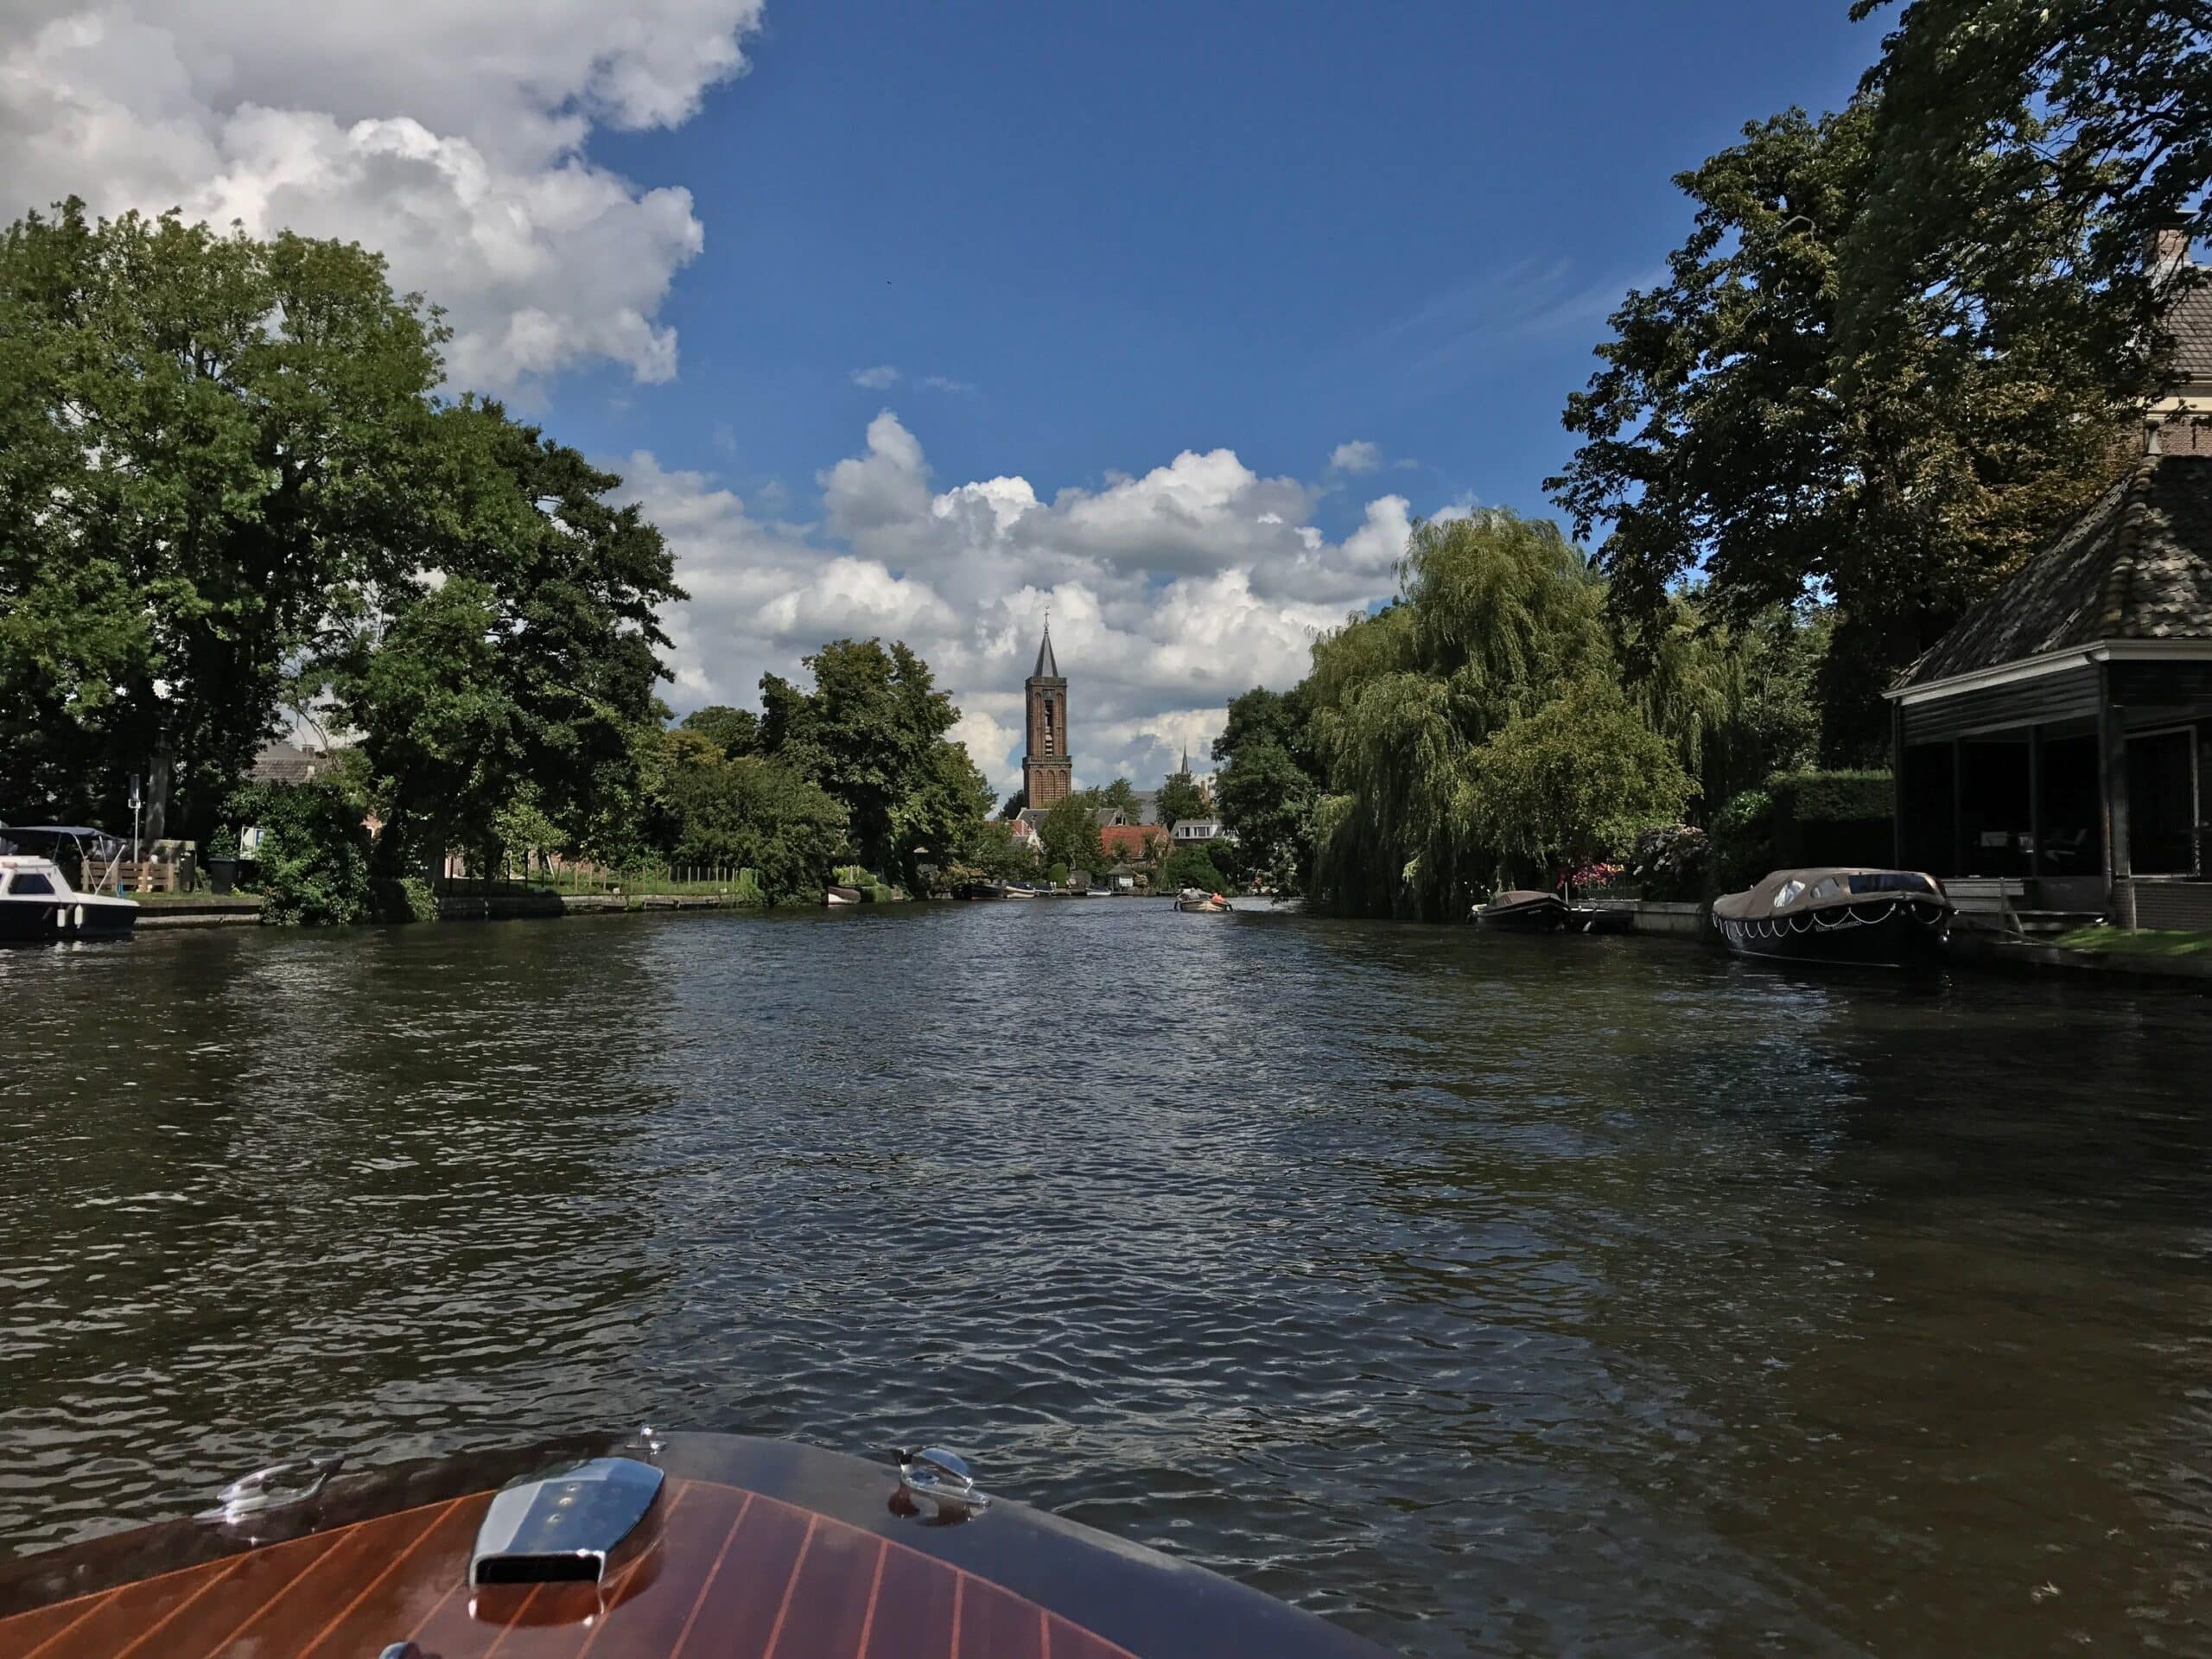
(1834, 796)
(1833, 818)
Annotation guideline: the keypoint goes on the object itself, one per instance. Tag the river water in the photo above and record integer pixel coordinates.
(1485, 1294)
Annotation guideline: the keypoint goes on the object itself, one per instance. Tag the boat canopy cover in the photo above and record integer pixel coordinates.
(46, 835)
(1793, 892)
(1514, 898)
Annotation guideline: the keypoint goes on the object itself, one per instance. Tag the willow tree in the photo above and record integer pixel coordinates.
(1499, 616)
(1571, 784)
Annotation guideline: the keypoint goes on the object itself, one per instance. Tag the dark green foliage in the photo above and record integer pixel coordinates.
(1281, 718)
(525, 669)
(1742, 841)
(994, 855)
(208, 443)
(869, 733)
(1180, 798)
(1733, 435)
(1994, 113)
(1267, 799)
(313, 856)
(403, 899)
(1070, 833)
(1834, 796)
(760, 816)
(1833, 818)
(1189, 867)
(734, 731)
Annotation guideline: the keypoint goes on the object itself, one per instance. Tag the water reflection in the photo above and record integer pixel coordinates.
(1512, 1295)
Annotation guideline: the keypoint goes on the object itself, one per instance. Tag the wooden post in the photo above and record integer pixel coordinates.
(2035, 804)
(1959, 807)
(2111, 746)
(1896, 786)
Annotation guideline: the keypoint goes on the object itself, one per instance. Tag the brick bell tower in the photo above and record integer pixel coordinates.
(1047, 774)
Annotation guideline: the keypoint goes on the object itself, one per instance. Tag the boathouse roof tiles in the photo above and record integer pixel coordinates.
(2137, 565)
(2190, 321)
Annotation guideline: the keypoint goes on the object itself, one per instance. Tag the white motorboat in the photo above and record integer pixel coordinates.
(38, 904)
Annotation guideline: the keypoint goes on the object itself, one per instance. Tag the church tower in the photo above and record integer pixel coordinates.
(1047, 774)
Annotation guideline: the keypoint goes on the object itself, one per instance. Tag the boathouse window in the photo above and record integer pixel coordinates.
(30, 881)
(2161, 801)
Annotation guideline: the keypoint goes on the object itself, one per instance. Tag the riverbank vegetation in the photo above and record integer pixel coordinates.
(1897, 350)
(234, 499)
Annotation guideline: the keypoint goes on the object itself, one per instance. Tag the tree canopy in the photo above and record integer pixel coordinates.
(1998, 118)
(209, 442)
(1736, 436)
(871, 734)
(1499, 631)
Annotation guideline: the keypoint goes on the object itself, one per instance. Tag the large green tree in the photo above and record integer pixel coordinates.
(1069, 831)
(1180, 797)
(1269, 782)
(734, 731)
(1498, 617)
(746, 812)
(1569, 783)
(207, 442)
(869, 734)
(2000, 119)
(1733, 436)
(519, 656)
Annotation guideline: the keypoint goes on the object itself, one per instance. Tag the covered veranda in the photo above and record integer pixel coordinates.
(2055, 743)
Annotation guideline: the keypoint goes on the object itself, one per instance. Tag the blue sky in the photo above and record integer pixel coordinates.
(918, 321)
(1141, 230)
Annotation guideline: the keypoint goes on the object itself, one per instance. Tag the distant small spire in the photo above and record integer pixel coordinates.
(1186, 760)
(1048, 669)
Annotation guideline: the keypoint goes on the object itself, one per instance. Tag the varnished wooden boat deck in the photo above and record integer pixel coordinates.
(736, 1572)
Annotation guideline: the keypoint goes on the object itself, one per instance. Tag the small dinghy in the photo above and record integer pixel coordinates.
(1521, 911)
(1200, 902)
(836, 896)
(1885, 918)
(642, 1548)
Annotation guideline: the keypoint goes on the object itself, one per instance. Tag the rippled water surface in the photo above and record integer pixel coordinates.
(1493, 1295)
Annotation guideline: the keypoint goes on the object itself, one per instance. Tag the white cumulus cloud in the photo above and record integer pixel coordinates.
(1170, 591)
(1357, 456)
(450, 136)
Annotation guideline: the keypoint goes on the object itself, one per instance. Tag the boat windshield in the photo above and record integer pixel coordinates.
(1892, 882)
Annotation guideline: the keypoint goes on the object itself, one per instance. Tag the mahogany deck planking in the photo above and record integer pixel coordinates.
(744, 1576)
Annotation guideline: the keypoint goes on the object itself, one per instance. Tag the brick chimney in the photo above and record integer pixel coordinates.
(2166, 249)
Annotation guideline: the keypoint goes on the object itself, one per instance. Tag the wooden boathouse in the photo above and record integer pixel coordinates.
(2056, 743)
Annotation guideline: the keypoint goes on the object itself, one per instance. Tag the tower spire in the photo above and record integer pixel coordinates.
(1048, 669)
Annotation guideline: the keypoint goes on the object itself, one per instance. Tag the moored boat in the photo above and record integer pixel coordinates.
(37, 903)
(636, 1549)
(1871, 918)
(837, 896)
(1518, 910)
